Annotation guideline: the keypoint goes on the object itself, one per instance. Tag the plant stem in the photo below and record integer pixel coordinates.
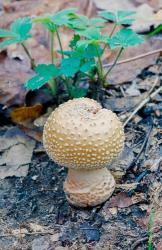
(114, 63)
(112, 32)
(67, 85)
(32, 62)
(100, 67)
(60, 44)
(51, 47)
(150, 230)
(53, 86)
(52, 83)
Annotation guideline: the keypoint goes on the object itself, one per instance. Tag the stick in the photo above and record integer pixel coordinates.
(143, 103)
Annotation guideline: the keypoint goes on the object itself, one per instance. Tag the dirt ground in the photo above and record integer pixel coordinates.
(34, 213)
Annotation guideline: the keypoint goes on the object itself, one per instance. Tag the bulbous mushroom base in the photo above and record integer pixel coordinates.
(85, 188)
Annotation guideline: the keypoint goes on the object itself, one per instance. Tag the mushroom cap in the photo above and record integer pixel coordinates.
(81, 134)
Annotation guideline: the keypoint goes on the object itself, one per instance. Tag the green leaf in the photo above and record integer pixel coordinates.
(19, 32)
(8, 42)
(47, 22)
(76, 92)
(125, 38)
(92, 51)
(96, 22)
(63, 17)
(80, 22)
(83, 44)
(69, 66)
(74, 41)
(87, 66)
(52, 22)
(91, 33)
(6, 33)
(21, 27)
(119, 17)
(44, 74)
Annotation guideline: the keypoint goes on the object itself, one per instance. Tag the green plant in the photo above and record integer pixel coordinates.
(150, 229)
(86, 48)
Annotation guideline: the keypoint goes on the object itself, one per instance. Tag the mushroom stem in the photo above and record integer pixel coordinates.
(88, 187)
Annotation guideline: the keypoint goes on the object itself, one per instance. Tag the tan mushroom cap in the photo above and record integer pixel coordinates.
(81, 134)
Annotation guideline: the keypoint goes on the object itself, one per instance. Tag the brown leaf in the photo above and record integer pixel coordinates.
(16, 153)
(156, 4)
(12, 90)
(145, 18)
(22, 114)
(34, 133)
(112, 5)
(122, 104)
(122, 200)
(157, 219)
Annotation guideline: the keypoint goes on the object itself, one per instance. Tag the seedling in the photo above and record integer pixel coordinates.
(86, 48)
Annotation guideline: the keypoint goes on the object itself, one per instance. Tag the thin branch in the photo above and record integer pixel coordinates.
(143, 103)
(134, 58)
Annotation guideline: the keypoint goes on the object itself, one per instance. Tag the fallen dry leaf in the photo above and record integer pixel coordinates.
(16, 153)
(122, 200)
(153, 164)
(112, 5)
(34, 133)
(12, 89)
(119, 166)
(39, 122)
(23, 114)
(133, 90)
(156, 4)
(143, 222)
(122, 104)
(145, 18)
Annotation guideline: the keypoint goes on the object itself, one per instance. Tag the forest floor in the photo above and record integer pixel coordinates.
(34, 213)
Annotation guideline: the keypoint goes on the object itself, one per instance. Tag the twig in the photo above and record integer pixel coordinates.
(144, 143)
(134, 58)
(25, 233)
(138, 242)
(138, 179)
(143, 103)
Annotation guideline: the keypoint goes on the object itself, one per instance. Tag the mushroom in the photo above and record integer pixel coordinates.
(84, 137)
